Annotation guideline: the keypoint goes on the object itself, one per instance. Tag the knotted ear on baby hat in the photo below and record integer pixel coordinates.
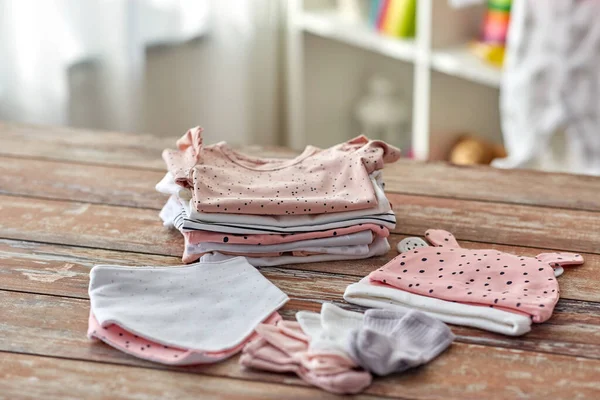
(486, 277)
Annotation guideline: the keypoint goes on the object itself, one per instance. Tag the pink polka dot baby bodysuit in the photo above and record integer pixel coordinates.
(487, 289)
(316, 182)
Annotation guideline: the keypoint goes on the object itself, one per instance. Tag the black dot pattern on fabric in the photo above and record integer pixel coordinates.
(223, 178)
(494, 278)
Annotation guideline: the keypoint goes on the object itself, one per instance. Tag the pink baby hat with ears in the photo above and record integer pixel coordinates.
(486, 277)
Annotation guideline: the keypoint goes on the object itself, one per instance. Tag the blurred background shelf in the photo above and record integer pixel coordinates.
(456, 61)
(461, 62)
(328, 24)
(448, 89)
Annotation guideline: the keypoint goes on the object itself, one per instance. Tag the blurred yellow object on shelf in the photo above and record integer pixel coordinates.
(491, 53)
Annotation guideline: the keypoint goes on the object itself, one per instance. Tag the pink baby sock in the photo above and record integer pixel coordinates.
(284, 348)
(297, 350)
(324, 363)
(292, 329)
(249, 361)
(261, 352)
(348, 382)
(283, 342)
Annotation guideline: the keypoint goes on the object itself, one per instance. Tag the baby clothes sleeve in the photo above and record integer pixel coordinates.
(181, 162)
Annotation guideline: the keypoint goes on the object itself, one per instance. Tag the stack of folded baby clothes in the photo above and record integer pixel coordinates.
(338, 350)
(323, 205)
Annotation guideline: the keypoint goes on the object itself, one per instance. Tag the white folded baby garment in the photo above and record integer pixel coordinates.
(173, 214)
(362, 239)
(379, 247)
(366, 294)
(206, 306)
(184, 224)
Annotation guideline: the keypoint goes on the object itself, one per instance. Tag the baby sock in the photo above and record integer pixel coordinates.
(284, 348)
(292, 329)
(348, 382)
(273, 335)
(394, 341)
(324, 363)
(260, 348)
(329, 330)
(249, 361)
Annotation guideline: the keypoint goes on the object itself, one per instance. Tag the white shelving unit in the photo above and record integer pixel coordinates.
(329, 25)
(450, 89)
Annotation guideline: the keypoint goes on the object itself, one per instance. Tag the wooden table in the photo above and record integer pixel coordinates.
(70, 199)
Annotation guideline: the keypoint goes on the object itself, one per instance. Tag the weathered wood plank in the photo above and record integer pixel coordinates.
(78, 182)
(404, 177)
(139, 230)
(578, 283)
(130, 228)
(83, 145)
(56, 327)
(27, 377)
(63, 271)
(518, 225)
(99, 147)
(85, 224)
(490, 184)
(491, 222)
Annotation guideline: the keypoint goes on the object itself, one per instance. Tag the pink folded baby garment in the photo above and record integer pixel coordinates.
(316, 182)
(196, 237)
(483, 288)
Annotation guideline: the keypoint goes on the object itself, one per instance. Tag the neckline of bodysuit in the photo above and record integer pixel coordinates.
(264, 164)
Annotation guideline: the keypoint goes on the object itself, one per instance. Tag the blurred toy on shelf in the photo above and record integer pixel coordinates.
(490, 47)
(491, 53)
(471, 150)
(383, 114)
(495, 24)
(395, 18)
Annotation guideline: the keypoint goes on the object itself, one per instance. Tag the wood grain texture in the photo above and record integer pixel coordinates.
(100, 147)
(84, 146)
(130, 229)
(528, 226)
(27, 377)
(518, 225)
(85, 183)
(539, 188)
(140, 231)
(56, 327)
(85, 224)
(75, 198)
(578, 283)
(63, 271)
(406, 177)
